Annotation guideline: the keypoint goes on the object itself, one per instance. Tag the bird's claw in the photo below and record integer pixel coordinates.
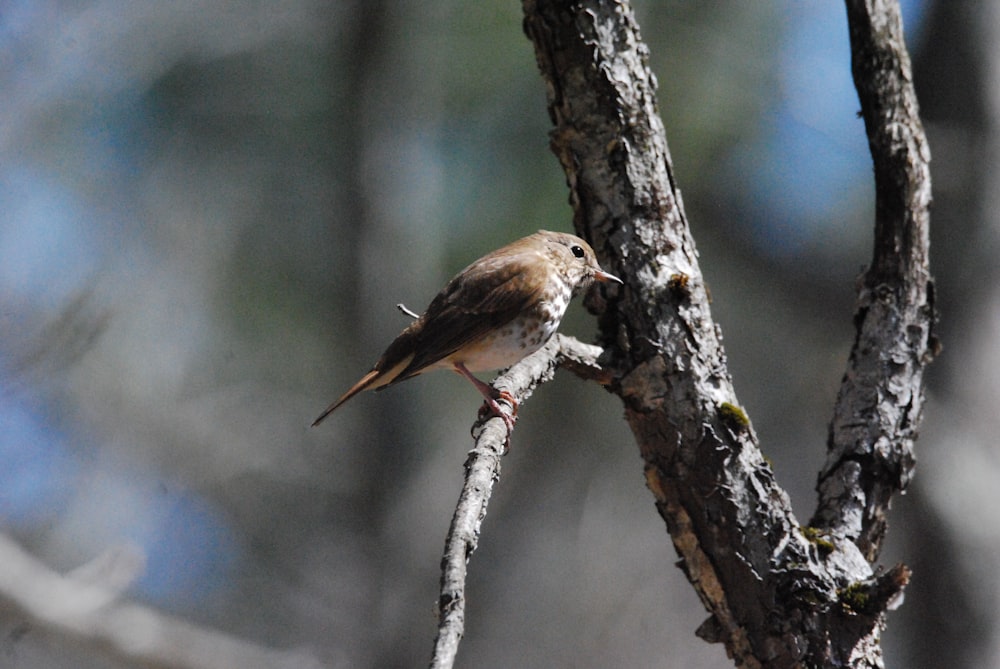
(491, 407)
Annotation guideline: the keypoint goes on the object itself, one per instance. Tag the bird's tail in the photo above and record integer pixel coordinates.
(379, 377)
(366, 381)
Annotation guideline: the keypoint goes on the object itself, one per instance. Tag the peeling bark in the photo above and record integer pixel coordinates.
(878, 409)
(778, 595)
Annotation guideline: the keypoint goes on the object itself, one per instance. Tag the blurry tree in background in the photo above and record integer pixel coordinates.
(208, 212)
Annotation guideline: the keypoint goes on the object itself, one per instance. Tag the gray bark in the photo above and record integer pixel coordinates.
(779, 595)
(879, 406)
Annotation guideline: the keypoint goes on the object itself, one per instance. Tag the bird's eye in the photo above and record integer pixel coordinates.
(577, 250)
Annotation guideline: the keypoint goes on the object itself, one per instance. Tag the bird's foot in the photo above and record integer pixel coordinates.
(490, 406)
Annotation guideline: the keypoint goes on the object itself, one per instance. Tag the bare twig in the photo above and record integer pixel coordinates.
(406, 311)
(482, 470)
(89, 610)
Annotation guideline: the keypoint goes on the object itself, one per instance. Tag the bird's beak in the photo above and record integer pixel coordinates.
(601, 275)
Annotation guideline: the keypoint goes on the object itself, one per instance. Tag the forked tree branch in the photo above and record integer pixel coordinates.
(779, 595)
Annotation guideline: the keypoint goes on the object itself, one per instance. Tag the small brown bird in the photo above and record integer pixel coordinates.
(496, 311)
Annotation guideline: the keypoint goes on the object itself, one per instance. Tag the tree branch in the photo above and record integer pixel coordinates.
(779, 595)
(85, 606)
(482, 470)
(878, 409)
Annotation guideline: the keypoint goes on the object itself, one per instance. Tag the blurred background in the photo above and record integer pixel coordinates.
(208, 212)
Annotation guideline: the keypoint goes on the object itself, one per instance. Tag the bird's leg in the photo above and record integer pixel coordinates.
(491, 396)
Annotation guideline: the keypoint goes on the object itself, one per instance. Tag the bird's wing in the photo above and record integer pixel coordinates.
(487, 295)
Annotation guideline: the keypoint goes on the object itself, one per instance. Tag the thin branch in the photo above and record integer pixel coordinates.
(482, 470)
(87, 609)
(879, 406)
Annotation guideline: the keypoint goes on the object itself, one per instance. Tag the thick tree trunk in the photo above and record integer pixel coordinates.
(779, 595)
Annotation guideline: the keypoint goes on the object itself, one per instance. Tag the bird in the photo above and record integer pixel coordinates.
(493, 313)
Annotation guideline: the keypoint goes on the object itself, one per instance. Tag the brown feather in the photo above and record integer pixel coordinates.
(459, 329)
(471, 306)
(373, 380)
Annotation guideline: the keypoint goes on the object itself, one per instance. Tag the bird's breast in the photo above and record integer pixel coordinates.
(521, 337)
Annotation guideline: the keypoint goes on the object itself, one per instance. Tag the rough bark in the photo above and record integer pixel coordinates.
(878, 409)
(779, 595)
